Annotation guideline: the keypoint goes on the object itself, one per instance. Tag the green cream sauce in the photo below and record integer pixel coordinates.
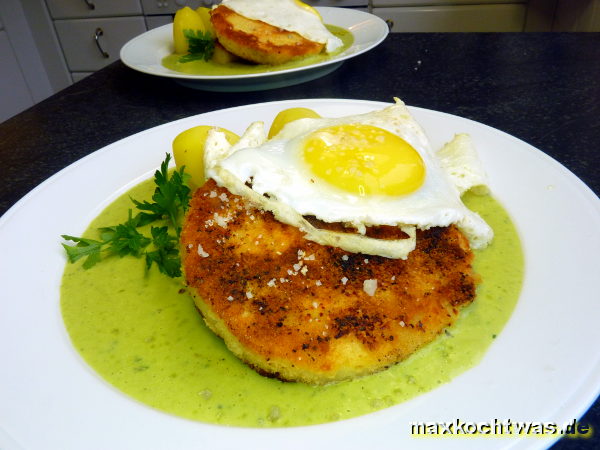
(142, 333)
(202, 67)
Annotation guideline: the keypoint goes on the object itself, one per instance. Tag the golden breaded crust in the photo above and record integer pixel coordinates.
(258, 41)
(296, 310)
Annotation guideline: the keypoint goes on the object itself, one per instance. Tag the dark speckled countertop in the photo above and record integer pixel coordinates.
(541, 88)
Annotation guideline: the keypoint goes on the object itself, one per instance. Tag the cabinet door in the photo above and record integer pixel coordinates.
(78, 76)
(338, 2)
(14, 94)
(473, 18)
(158, 21)
(377, 3)
(90, 44)
(170, 6)
(70, 9)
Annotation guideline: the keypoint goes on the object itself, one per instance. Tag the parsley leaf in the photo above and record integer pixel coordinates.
(201, 45)
(166, 255)
(170, 200)
(171, 197)
(84, 247)
(123, 239)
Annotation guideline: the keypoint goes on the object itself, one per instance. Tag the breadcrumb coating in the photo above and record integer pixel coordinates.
(300, 311)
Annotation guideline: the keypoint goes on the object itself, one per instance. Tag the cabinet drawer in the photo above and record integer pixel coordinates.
(475, 18)
(440, 2)
(170, 6)
(337, 2)
(77, 38)
(70, 9)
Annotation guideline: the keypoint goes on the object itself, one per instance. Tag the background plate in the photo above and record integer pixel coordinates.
(144, 53)
(538, 369)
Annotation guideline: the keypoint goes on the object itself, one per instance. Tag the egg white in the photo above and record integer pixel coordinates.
(288, 15)
(277, 171)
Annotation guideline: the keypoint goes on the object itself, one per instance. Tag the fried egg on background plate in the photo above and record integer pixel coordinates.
(290, 15)
(362, 170)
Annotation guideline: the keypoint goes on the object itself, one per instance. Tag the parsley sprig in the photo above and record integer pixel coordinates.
(166, 255)
(171, 197)
(169, 202)
(201, 45)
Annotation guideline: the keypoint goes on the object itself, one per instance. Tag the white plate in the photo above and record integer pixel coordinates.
(145, 53)
(539, 368)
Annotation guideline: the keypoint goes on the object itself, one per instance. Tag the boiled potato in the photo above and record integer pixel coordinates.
(204, 14)
(185, 19)
(289, 115)
(188, 151)
(222, 56)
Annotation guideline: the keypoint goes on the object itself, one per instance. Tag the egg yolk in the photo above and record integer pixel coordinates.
(308, 8)
(364, 160)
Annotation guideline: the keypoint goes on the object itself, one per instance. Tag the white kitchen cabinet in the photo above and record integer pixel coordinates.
(14, 93)
(454, 18)
(157, 21)
(92, 32)
(345, 3)
(90, 44)
(78, 76)
(157, 7)
(386, 3)
(71, 9)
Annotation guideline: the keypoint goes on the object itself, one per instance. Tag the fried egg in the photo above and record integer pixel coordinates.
(363, 170)
(289, 15)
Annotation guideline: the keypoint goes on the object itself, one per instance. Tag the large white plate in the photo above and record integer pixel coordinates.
(538, 369)
(145, 53)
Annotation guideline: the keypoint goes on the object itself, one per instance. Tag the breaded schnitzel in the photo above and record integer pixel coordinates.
(297, 310)
(258, 41)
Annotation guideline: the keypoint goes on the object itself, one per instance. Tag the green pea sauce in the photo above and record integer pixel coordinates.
(201, 67)
(141, 332)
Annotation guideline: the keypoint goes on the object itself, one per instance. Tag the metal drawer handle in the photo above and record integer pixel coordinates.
(99, 33)
(90, 4)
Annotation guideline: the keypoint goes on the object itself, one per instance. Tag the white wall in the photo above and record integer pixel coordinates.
(32, 66)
